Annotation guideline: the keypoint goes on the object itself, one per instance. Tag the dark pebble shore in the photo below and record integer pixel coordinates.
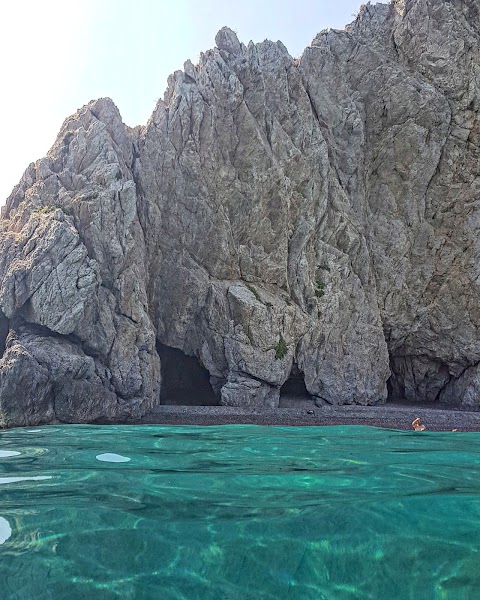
(390, 416)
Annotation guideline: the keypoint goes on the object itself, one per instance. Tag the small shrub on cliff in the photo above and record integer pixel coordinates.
(281, 349)
(254, 291)
(319, 289)
(44, 210)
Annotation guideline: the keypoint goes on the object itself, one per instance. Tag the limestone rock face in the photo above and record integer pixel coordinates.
(274, 215)
(73, 282)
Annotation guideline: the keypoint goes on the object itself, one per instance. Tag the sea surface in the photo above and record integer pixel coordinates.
(238, 512)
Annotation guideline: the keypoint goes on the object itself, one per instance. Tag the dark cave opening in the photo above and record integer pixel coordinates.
(394, 390)
(418, 381)
(4, 330)
(185, 382)
(294, 390)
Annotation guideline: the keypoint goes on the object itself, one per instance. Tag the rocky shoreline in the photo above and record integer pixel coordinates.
(392, 417)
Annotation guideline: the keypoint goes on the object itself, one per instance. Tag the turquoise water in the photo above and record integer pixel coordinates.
(238, 512)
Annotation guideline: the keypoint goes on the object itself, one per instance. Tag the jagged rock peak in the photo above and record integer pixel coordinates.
(227, 40)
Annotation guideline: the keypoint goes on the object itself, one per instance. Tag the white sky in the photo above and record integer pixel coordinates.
(57, 55)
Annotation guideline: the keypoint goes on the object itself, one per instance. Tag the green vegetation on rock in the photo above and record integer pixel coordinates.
(281, 349)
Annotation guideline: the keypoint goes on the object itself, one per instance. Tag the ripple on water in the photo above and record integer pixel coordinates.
(4, 480)
(5, 530)
(112, 457)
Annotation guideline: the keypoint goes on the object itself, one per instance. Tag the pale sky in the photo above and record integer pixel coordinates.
(57, 55)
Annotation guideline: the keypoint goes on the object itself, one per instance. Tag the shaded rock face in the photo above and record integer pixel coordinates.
(274, 217)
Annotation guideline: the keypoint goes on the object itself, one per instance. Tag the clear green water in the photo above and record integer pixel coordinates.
(239, 512)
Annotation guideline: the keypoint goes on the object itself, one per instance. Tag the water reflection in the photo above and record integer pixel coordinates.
(17, 479)
(5, 530)
(111, 457)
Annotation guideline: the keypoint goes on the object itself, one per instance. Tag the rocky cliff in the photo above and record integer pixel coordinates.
(315, 216)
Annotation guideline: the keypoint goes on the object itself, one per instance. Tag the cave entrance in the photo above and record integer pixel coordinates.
(417, 382)
(184, 381)
(4, 330)
(294, 393)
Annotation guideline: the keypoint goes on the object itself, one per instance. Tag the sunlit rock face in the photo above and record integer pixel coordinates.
(317, 214)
